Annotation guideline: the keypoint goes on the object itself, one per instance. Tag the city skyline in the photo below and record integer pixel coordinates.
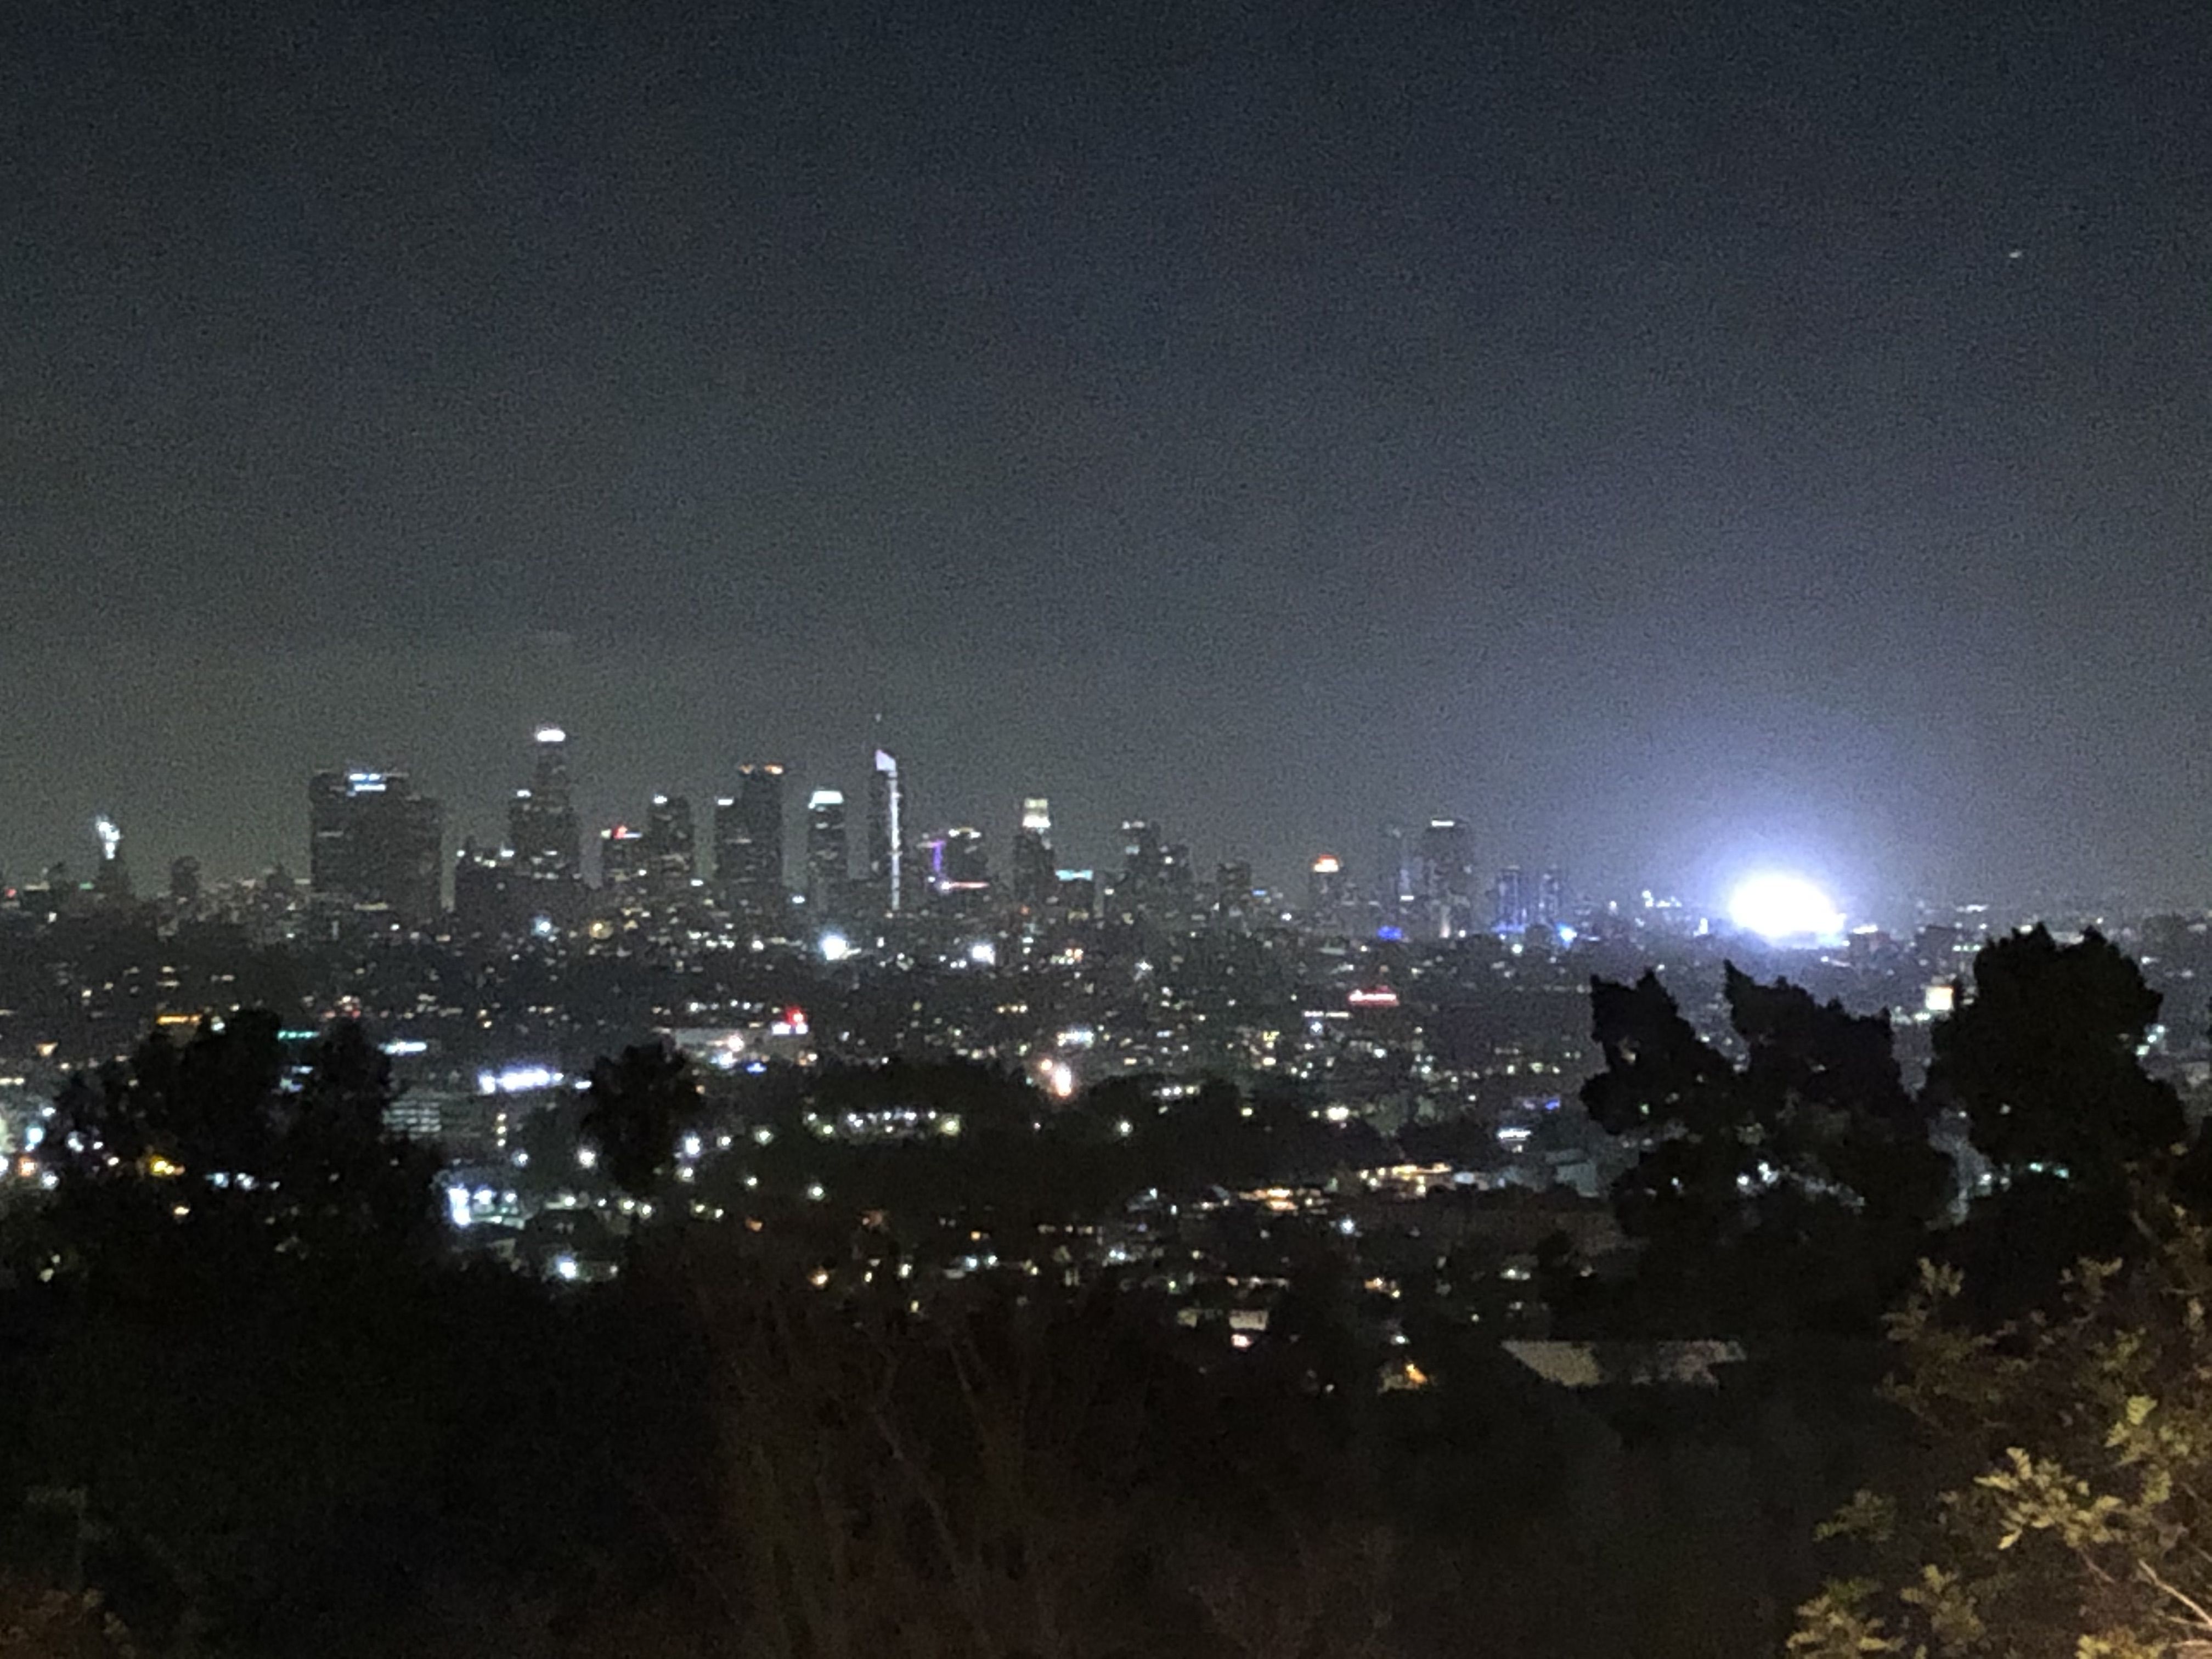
(1246, 415)
(488, 820)
(1074, 829)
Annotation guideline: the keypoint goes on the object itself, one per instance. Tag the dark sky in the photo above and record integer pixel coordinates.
(1671, 436)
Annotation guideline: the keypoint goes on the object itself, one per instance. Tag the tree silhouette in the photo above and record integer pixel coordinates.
(339, 1170)
(1793, 1190)
(2045, 1060)
(636, 1104)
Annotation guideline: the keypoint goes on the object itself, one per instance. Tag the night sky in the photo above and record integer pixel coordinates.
(1670, 435)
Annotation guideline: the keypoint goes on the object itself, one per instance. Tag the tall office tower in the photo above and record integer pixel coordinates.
(548, 843)
(184, 882)
(1236, 906)
(1142, 883)
(372, 841)
(748, 844)
(960, 861)
(1327, 888)
(1075, 894)
(1179, 875)
(828, 855)
(886, 834)
(487, 895)
(1394, 876)
(1033, 868)
(1445, 885)
(625, 868)
(112, 879)
(1510, 902)
(671, 849)
(1551, 897)
(1142, 855)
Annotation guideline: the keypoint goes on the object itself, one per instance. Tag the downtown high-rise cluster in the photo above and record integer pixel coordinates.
(376, 844)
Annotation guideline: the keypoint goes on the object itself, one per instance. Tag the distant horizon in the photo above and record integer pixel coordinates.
(1672, 447)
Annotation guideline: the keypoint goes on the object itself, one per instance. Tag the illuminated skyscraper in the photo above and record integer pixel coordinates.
(372, 842)
(541, 820)
(1445, 879)
(112, 879)
(827, 854)
(1142, 883)
(1551, 897)
(1033, 867)
(887, 857)
(1328, 890)
(1510, 902)
(1395, 874)
(487, 894)
(625, 867)
(959, 871)
(748, 844)
(671, 855)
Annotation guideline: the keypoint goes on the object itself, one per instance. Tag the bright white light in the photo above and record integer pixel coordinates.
(983, 953)
(1059, 1079)
(517, 1080)
(551, 734)
(111, 838)
(1784, 907)
(835, 947)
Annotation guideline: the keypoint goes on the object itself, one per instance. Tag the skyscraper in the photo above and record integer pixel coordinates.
(748, 844)
(1138, 889)
(672, 855)
(625, 868)
(1393, 875)
(1446, 878)
(1327, 888)
(372, 841)
(886, 834)
(1551, 897)
(1510, 905)
(541, 825)
(1033, 867)
(487, 897)
(827, 854)
(111, 881)
(960, 869)
(1235, 905)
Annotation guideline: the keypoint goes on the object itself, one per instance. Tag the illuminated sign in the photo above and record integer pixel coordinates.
(1380, 996)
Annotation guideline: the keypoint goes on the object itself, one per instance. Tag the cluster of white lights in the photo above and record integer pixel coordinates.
(1784, 908)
